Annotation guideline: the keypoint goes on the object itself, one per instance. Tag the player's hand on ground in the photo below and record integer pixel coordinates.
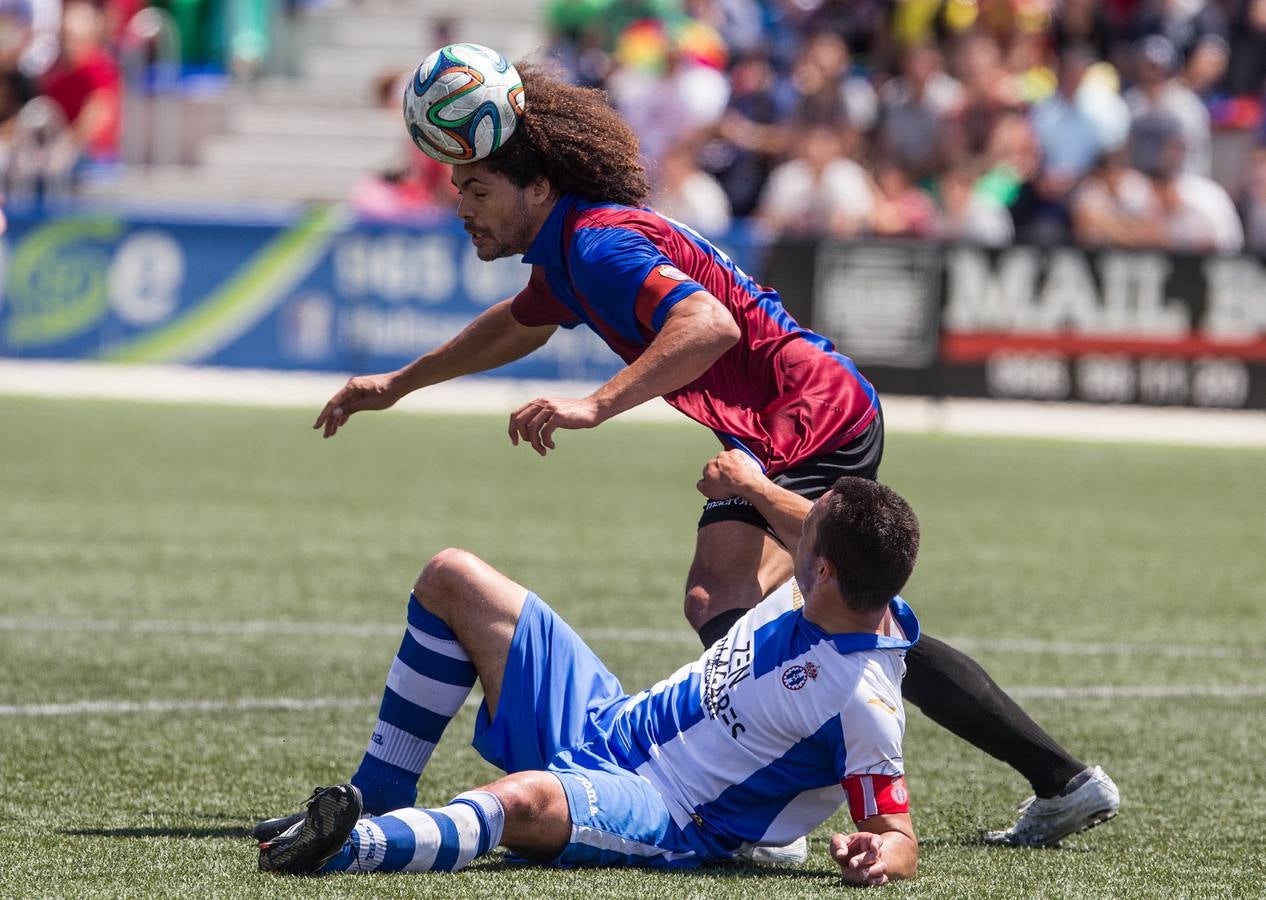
(731, 473)
(859, 858)
(535, 422)
(360, 393)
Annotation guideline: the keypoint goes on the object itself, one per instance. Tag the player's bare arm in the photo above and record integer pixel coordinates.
(883, 849)
(732, 473)
(493, 339)
(696, 333)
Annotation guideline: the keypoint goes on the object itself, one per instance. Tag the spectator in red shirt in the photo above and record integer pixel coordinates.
(85, 82)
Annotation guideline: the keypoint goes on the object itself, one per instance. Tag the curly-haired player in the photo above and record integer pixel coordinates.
(566, 191)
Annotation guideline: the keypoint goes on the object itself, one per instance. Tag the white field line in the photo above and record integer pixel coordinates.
(310, 390)
(299, 704)
(665, 636)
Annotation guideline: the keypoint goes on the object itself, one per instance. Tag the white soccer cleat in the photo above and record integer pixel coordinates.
(793, 854)
(1046, 822)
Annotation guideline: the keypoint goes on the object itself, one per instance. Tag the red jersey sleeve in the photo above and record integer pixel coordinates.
(536, 305)
(662, 288)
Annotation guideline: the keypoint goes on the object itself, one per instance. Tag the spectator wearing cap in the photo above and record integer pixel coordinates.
(1157, 89)
(1197, 212)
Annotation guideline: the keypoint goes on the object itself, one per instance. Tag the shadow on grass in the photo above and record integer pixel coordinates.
(719, 870)
(222, 831)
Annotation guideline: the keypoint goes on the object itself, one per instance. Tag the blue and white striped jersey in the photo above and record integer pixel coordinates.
(750, 743)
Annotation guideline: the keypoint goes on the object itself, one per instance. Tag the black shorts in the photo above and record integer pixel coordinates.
(811, 478)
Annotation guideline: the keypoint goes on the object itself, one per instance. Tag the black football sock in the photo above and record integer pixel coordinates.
(956, 693)
(715, 628)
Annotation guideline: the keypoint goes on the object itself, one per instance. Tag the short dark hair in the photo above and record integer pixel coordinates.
(572, 137)
(871, 536)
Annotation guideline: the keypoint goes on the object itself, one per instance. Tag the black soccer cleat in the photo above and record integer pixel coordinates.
(270, 828)
(310, 842)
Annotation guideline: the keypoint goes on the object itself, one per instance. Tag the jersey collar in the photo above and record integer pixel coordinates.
(852, 642)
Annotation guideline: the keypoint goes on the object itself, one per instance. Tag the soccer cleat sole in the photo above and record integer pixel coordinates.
(329, 821)
(273, 828)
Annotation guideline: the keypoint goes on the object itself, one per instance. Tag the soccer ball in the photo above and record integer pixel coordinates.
(463, 103)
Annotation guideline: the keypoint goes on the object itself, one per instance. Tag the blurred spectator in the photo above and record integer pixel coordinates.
(1253, 202)
(1246, 68)
(668, 86)
(819, 190)
(1186, 24)
(901, 209)
(687, 193)
(825, 89)
(1069, 137)
(916, 109)
(84, 82)
(988, 91)
(1197, 212)
(740, 150)
(1117, 206)
(970, 212)
(1158, 90)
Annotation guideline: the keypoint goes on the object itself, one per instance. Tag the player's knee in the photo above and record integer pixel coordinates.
(699, 605)
(447, 573)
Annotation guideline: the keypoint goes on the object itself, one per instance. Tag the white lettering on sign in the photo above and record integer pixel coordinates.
(397, 267)
(146, 277)
(1163, 381)
(1027, 376)
(1015, 296)
(1219, 382)
(1235, 307)
(1105, 378)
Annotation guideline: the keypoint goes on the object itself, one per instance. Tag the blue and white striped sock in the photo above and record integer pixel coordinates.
(424, 840)
(429, 681)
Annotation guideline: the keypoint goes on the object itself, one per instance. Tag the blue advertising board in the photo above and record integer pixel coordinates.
(320, 293)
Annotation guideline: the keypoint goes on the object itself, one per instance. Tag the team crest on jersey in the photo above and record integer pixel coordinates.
(796, 677)
(674, 273)
(899, 794)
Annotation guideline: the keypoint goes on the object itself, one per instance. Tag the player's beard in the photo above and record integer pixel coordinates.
(518, 233)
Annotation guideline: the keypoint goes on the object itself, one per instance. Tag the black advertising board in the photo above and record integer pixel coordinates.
(1037, 323)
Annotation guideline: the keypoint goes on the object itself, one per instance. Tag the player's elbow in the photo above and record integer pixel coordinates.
(717, 327)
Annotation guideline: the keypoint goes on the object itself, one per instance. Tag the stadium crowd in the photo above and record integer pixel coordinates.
(70, 53)
(978, 120)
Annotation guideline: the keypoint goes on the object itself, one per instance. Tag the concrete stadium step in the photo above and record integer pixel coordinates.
(221, 184)
(286, 121)
(354, 153)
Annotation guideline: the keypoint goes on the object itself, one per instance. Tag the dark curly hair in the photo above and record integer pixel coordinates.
(573, 138)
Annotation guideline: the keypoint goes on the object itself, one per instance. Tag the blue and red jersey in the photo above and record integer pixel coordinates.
(781, 393)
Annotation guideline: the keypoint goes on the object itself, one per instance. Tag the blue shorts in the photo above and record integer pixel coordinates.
(556, 696)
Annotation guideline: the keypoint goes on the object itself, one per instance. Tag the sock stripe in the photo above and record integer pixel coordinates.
(450, 842)
(409, 717)
(484, 828)
(426, 621)
(400, 843)
(437, 665)
(403, 752)
(445, 699)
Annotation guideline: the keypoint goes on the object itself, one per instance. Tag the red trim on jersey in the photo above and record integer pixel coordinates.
(535, 305)
(876, 795)
(654, 289)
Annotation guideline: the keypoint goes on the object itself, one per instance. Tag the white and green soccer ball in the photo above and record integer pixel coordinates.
(463, 103)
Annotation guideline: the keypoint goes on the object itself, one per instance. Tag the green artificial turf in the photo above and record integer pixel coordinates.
(204, 555)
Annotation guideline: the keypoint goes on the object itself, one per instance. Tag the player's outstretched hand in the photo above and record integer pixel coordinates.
(535, 422)
(731, 473)
(859, 857)
(360, 393)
